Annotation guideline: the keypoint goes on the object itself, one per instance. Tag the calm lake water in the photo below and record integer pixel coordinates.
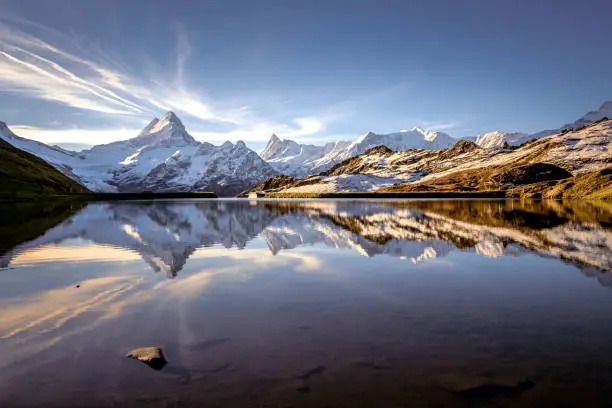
(307, 303)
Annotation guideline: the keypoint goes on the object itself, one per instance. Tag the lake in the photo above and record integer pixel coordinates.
(307, 303)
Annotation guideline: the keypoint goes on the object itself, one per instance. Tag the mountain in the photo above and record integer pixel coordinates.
(291, 158)
(24, 174)
(498, 139)
(468, 167)
(163, 157)
(604, 112)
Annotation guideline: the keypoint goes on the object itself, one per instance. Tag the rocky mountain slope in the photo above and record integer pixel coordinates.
(163, 157)
(467, 166)
(298, 160)
(24, 174)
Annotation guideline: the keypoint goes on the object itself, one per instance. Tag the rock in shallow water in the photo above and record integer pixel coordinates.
(483, 388)
(151, 356)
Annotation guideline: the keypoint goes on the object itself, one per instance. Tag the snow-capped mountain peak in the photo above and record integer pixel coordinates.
(167, 131)
(147, 129)
(497, 139)
(604, 111)
(240, 145)
(417, 138)
(273, 140)
(430, 135)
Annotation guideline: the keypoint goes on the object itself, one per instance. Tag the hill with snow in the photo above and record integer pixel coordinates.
(163, 157)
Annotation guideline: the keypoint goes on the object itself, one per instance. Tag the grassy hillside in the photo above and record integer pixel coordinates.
(596, 185)
(24, 175)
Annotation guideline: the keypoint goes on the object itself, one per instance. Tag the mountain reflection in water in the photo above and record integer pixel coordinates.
(166, 233)
(306, 303)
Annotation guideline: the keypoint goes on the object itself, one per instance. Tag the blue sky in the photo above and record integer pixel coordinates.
(314, 71)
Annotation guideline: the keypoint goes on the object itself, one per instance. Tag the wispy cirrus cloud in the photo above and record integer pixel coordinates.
(32, 67)
(63, 72)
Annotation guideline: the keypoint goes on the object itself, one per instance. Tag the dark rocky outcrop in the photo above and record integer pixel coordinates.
(531, 173)
(275, 182)
(461, 147)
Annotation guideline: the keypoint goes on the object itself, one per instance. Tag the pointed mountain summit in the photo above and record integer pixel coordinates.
(274, 146)
(147, 129)
(168, 131)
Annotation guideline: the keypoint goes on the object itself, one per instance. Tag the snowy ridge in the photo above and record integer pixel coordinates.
(498, 139)
(291, 158)
(604, 111)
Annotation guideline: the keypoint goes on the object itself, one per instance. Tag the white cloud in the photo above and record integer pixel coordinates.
(93, 137)
(307, 126)
(260, 131)
(441, 126)
(183, 51)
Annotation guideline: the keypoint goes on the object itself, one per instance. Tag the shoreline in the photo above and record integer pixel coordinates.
(113, 196)
(365, 194)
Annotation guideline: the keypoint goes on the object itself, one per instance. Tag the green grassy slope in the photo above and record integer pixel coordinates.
(24, 175)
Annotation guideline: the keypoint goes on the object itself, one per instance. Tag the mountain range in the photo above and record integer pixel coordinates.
(164, 157)
(469, 167)
(298, 160)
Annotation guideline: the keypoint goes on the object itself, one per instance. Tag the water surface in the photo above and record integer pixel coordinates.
(307, 303)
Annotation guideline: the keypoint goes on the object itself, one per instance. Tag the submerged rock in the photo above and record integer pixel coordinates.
(483, 388)
(151, 356)
(309, 373)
